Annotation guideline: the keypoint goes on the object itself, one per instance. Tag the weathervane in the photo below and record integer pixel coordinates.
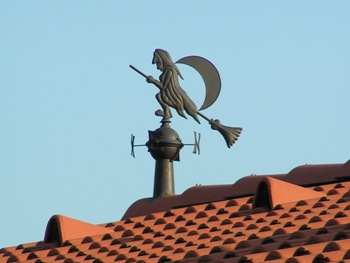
(172, 95)
(164, 143)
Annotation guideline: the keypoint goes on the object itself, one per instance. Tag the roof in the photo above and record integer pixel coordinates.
(302, 216)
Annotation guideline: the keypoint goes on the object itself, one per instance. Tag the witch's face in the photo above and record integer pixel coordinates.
(158, 61)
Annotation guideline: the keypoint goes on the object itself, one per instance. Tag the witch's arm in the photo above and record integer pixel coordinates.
(167, 79)
(149, 79)
(152, 80)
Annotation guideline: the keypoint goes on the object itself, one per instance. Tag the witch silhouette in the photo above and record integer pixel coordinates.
(171, 94)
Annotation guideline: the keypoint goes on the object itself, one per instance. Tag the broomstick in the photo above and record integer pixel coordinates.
(230, 134)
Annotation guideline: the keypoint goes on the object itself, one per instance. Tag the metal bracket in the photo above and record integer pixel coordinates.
(133, 145)
(197, 140)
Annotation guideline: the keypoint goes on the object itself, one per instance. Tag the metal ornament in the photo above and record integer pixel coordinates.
(164, 144)
(171, 94)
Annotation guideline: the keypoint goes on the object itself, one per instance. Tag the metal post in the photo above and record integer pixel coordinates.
(164, 178)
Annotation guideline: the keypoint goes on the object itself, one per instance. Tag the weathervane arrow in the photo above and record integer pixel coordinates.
(171, 95)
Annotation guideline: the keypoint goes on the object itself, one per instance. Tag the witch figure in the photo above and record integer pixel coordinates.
(171, 94)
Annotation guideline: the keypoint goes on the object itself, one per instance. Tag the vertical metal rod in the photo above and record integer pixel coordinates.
(164, 178)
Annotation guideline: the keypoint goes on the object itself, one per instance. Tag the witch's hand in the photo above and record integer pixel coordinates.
(150, 79)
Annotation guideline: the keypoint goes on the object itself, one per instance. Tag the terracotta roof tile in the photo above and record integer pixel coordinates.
(61, 228)
(259, 218)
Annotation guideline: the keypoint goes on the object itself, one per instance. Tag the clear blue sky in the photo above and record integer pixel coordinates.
(69, 101)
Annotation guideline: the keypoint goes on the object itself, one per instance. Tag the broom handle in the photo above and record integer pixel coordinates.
(138, 71)
(205, 117)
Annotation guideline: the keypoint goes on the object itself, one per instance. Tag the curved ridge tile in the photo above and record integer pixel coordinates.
(61, 228)
(271, 192)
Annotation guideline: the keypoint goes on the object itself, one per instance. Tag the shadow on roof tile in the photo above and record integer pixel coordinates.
(201, 214)
(231, 203)
(213, 219)
(189, 210)
(210, 206)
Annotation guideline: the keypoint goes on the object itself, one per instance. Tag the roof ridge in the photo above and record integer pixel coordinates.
(304, 175)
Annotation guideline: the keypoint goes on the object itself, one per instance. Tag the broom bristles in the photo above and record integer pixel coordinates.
(230, 134)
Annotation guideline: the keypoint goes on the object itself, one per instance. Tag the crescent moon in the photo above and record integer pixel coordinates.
(209, 74)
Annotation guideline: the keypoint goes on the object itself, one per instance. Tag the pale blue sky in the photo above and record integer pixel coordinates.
(69, 101)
